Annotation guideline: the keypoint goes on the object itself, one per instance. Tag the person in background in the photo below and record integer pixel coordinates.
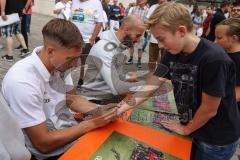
(28, 16)
(1, 46)
(235, 12)
(26, 4)
(114, 15)
(63, 9)
(10, 7)
(106, 7)
(88, 17)
(104, 26)
(153, 44)
(130, 5)
(228, 37)
(122, 11)
(207, 21)
(141, 11)
(194, 10)
(217, 18)
(197, 21)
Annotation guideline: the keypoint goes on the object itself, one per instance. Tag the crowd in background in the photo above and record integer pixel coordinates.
(207, 71)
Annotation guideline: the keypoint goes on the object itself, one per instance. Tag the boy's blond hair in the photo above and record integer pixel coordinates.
(171, 15)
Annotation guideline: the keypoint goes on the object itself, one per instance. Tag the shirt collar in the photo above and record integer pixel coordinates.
(41, 68)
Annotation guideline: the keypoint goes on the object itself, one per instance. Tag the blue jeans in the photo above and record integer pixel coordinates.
(28, 22)
(204, 151)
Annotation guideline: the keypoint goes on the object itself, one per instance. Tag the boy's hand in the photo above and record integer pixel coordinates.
(175, 127)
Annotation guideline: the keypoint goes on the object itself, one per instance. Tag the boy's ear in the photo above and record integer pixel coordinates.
(182, 30)
(235, 38)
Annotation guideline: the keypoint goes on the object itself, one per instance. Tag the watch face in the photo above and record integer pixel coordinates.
(131, 101)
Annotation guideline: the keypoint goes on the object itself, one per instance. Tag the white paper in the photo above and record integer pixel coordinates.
(12, 18)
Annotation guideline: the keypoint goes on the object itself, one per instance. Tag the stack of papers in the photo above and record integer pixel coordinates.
(12, 18)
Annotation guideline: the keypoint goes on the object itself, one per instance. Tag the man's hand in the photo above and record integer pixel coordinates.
(175, 127)
(4, 17)
(131, 77)
(92, 41)
(104, 119)
(99, 111)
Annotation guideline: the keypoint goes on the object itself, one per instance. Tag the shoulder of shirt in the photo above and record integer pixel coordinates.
(213, 52)
(22, 71)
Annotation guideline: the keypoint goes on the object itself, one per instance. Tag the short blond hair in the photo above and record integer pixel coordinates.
(171, 15)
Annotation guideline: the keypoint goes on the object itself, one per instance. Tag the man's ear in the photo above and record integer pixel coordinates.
(50, 50)
(182, 30)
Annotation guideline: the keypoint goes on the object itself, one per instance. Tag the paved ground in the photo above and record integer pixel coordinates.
(35, 39)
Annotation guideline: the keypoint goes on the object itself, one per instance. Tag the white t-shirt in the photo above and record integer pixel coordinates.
(66, 10)
(88, 14)
(150, 12)
(35, 96)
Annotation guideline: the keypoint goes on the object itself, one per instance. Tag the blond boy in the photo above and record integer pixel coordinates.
(203, 80)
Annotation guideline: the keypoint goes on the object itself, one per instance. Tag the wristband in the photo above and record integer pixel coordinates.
(76, 114)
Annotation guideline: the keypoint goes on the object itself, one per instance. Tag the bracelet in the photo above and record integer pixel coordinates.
(76, 114)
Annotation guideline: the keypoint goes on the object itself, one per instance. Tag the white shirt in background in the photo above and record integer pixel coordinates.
(66, 10)
(150, 12)
(85, 15)
(105, 21)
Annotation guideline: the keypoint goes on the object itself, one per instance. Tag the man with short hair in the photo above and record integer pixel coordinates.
(38, 90)
(105, 80)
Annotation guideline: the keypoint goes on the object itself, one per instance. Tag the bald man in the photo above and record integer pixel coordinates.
(105, 80)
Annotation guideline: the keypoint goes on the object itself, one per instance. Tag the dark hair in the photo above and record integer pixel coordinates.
(236, 4)
(210, 6)
(62, 32)
(233, 26)
(224, 4)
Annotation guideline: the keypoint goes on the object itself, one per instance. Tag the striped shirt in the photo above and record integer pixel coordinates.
(140, 12)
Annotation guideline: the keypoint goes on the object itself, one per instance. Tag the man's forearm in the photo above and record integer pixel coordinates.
(96, 30)
(3, 5)
(152, 84)
(77, 103)
(53, 140)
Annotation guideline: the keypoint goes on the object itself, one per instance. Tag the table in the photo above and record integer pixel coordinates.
(89, 143)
